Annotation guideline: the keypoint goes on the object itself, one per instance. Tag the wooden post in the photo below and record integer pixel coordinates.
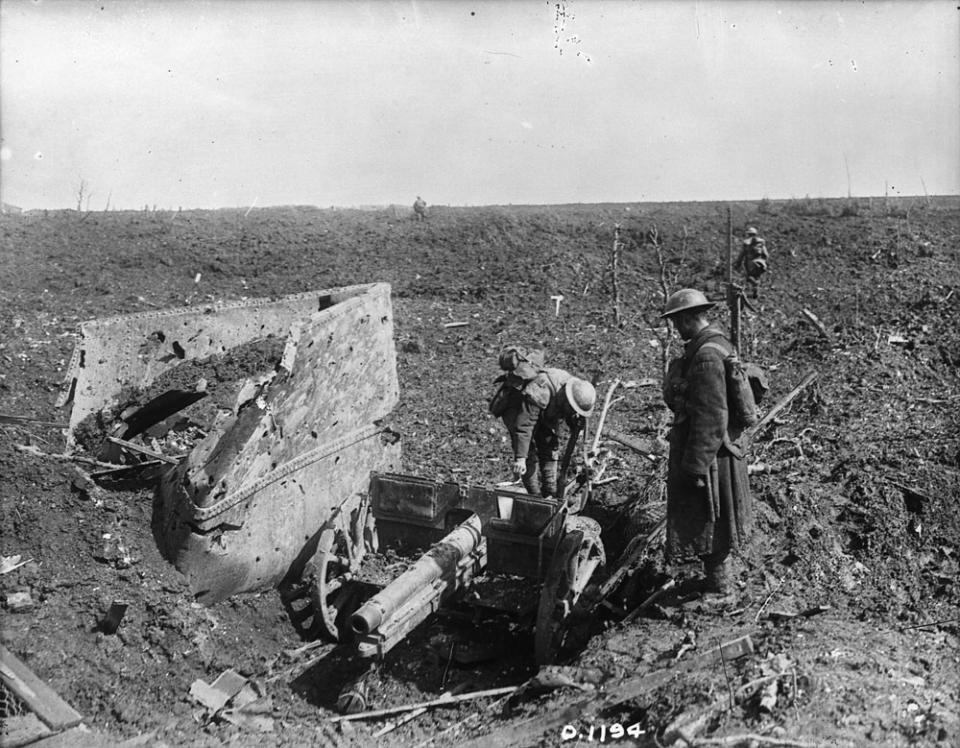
(615, 270)
(733, 292)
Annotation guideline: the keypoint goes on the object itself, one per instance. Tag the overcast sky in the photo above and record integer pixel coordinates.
(230, 103)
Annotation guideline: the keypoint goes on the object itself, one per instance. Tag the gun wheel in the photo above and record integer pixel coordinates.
(578, 557)
(331, 573)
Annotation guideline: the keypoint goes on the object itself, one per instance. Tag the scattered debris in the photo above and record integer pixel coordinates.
(551, 677)
(442, 701)
(391, 726)
(111, 621)
(352, 698)
(115, 552)
(235, 699)
(815, 321)
(662, 590)
(7, 418)
(32, 450)
(42, 700)
(686, 726)
(754, 432)
(130, 446)
(17, 602)
(783, 615)
(11, 563)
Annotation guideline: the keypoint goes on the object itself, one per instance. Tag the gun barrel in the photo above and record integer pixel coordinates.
(439, 561)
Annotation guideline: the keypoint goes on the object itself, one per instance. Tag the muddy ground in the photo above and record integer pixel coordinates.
(856, 484)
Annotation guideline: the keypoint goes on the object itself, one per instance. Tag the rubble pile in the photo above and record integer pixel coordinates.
(171, 414)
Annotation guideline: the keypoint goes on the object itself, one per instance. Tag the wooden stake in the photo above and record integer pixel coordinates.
(616, 273)
(765, 421)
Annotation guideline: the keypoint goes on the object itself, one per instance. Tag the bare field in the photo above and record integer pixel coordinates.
(856, 485)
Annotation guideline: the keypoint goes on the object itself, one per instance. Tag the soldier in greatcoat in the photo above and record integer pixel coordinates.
(709, 506)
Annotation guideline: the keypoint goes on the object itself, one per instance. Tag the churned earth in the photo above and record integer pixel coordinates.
(849, 592)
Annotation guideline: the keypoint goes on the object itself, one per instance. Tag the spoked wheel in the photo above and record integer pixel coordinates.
(331, 574)
(577, 558)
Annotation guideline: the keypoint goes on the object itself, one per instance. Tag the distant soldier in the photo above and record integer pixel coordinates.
(420, 208)
(552, 396)
(753, 259)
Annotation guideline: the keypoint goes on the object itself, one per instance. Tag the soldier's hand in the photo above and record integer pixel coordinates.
(519, 466)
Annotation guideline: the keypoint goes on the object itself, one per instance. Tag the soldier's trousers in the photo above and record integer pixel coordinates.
(543, 463)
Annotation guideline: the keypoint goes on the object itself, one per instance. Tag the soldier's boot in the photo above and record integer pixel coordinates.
(717, 572)
(548, 477)
(719, 589)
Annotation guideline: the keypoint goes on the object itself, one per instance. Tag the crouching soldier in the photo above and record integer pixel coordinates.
(552, 398)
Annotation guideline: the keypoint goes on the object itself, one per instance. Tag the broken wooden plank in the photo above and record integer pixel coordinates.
(815, 321)
(22, 730)
(143, 450)
(7, 418)
(525, 733)
(752, 434)
(443, 701)
(634, 687)
(645, 449)
(35, 694)
(31, 449)
(633, 552)
(662, 590)
(410, 716)
(124, 468)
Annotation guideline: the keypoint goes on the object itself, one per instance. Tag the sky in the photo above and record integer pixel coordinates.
(238, 103)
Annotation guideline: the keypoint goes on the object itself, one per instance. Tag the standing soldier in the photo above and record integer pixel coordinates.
(753, 260)
(420, 209)
(552, 396)
(709, 511)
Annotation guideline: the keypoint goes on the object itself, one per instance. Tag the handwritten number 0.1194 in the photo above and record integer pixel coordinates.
(601, 733)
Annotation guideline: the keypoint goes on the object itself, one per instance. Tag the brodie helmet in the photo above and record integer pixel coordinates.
(581, 395)
(686, 300)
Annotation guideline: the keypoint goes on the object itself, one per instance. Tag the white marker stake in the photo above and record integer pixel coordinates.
(557, 299)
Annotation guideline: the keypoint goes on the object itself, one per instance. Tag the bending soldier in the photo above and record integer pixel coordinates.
(709, 506)
(533, 416)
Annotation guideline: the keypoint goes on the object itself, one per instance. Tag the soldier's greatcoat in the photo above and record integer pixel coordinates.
(715, 519)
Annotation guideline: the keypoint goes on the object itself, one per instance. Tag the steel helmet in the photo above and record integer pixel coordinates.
(581, 395)
(751, 231)
(686, 300)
